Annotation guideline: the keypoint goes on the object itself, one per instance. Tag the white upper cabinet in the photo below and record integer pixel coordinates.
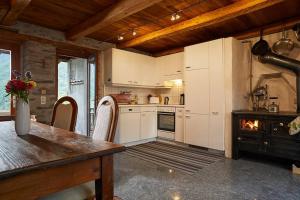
(128, 68)
(196, 56)
(171, 66)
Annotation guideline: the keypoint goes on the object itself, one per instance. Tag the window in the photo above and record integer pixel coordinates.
(9, 60)
(5, 72)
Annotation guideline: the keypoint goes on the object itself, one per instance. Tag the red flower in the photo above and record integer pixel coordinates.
(8, 87)
(19, 84)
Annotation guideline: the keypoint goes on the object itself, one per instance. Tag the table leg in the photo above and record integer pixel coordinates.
(104, 187)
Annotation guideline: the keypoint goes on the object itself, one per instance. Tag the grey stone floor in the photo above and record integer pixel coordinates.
(228, 179)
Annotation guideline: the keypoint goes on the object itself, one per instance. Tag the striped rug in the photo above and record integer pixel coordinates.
(182, 158)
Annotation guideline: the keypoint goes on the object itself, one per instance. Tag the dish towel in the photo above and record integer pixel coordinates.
(294, 126)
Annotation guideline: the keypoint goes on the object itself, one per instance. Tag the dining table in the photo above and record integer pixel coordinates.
(49, 160)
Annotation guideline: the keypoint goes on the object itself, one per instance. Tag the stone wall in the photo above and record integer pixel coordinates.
(40, 59)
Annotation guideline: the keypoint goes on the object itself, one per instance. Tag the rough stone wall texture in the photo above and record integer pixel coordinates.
(40, 59)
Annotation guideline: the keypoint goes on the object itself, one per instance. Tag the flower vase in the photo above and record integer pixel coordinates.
(22, 121)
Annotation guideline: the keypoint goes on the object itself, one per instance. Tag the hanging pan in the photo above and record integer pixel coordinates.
(261, 47)
(283, 46)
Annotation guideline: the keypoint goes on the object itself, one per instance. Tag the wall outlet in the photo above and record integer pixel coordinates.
(43, 100)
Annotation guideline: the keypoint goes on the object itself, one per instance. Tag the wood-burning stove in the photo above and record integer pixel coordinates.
(264, 133)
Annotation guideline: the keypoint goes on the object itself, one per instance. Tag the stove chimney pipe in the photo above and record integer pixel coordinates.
(287, 63)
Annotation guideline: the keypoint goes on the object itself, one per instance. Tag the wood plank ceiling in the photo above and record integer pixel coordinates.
(64, 15)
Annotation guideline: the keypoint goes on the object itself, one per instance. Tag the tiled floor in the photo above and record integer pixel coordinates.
(229, 179)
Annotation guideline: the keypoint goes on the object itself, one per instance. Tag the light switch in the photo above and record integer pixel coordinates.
(43, 100)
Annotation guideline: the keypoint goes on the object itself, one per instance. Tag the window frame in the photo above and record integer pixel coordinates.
(15, 65)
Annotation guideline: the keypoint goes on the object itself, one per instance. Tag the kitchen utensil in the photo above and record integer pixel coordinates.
(273, 107)
(181, 102)
(283, 46)
(166, 100)
(261, 47)
(296, 30)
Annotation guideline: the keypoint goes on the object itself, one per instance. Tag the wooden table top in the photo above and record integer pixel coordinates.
(44, 147)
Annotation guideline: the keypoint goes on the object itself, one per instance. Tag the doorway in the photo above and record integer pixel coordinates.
(77, 78)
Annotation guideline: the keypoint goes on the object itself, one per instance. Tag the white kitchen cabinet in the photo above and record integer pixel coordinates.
(171, 66)
(197, 129)
(117, 63)
(129, 125)
(179, 125)
(196, 56)
(205, 98)
(148, 123)
(197, 91)
(217, 95)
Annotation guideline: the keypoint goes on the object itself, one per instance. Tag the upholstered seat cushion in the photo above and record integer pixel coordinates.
(63, 116)
(81, 192)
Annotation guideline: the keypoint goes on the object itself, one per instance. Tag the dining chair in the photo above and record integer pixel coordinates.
(105, 127)
(64, 113)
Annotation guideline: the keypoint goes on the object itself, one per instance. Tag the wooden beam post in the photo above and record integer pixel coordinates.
(16, 8)
(110, 15)
(231, 11)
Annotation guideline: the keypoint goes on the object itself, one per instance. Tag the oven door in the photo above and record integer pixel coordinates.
(166, 121)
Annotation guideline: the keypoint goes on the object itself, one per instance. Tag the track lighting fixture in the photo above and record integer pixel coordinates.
(120, 37)
(175, 16)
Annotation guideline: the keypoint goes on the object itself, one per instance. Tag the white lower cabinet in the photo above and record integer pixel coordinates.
(179, 128)
(148, 125)
(129, 125)
(197, 129)
(136, 123)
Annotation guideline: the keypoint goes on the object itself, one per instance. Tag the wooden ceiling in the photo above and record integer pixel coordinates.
(148, 17)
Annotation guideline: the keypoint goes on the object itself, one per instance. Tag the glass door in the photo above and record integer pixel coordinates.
(77, 78)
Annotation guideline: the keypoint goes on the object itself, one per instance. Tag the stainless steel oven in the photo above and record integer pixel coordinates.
(166, 120)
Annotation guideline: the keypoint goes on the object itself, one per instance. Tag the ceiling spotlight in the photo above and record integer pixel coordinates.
(134, 33)
(120, 37)
(175, 16)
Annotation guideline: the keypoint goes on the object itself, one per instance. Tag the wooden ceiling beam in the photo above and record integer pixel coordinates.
(110, 15)
(16, 8)
(231, 11)
(268, 29)
(15, 37)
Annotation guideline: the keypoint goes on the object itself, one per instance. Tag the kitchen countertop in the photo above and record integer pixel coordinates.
(151, 105)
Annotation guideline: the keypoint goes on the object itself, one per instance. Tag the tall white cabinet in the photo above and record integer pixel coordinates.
(204, 90)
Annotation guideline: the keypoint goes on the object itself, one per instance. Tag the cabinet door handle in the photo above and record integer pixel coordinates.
(187, 110)
(275, 129)
(129, 109)
(266, 143)
(187, 116)
(178, 71)
(187, 67)
(129, 81)
(215, 113)
(239, 138)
